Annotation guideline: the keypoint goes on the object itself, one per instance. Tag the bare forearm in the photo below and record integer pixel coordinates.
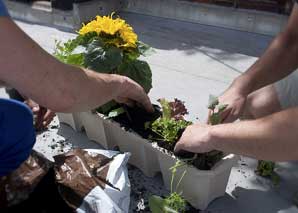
(36, 74)
(271, 138)
(278, 61)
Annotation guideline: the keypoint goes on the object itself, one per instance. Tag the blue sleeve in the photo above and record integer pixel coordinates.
(3, 10)
(17, 135)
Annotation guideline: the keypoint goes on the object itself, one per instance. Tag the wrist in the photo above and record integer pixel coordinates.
(242, 85)
(214, 136)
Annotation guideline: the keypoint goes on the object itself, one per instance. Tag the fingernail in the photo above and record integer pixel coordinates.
(35, 109)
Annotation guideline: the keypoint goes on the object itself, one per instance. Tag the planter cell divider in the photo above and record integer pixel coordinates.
(143, 155)
(94, 127)
(72, 119)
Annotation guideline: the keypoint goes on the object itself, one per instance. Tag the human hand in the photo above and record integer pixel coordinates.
(132, 93)
(196, 138)
(42, 115)
(234, 102)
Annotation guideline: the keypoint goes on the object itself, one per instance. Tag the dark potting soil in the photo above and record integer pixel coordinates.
(135, 119)
(44, 199)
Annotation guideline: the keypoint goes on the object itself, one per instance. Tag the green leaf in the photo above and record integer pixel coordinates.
(168, 129)
(158, 205)
(147, 125)
(102, 60)
(176, 202)
(166, 108)
(106, 108)
(168, 126)
(138, 71)
(216, 109)
(144, 49)
(116, 112)
(213, 102)
(265, 168)
(75, 59)
(215, 119)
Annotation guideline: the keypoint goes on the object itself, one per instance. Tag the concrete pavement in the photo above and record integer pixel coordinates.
(191, 62)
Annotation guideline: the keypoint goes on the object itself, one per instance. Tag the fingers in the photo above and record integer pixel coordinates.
(40, 117)
(226, 116)
(126, 101)
(135, 93)
(184, 144)
(208, 118)
(146, 103)
(179, 146)
(48, 118)
(32, 105)
(142, 98)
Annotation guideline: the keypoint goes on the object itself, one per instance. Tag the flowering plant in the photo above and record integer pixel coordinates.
(108, 45)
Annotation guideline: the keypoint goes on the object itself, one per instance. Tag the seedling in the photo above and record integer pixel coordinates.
(170, 124)
(266, 169)
(174, 203)
(216, 110)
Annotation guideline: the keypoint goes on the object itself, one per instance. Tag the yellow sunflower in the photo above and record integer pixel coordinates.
(110, 26)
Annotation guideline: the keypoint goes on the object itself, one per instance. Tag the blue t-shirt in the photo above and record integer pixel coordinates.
(3, 10)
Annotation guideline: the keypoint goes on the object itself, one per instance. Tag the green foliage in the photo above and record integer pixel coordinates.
(213, 102)
(106, 108)
(144, 49)
(114, 113)
(266, 169)
(176, 202)
(67, 53)
(103, 60)
(166, 108)
(100, 54)
(67, 56)
(168, 129)
(216, 110)
(159, 205)
(138, 71)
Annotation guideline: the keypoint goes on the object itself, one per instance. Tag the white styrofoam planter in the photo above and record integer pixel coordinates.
(94, 126)
(143, 155)
(72, 119)
(198, 187)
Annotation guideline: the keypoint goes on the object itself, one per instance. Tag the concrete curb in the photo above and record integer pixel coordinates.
(232, 18)
(41, 13)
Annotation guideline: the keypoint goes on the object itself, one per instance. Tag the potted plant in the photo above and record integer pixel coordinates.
(105, 45)
(110, 44)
